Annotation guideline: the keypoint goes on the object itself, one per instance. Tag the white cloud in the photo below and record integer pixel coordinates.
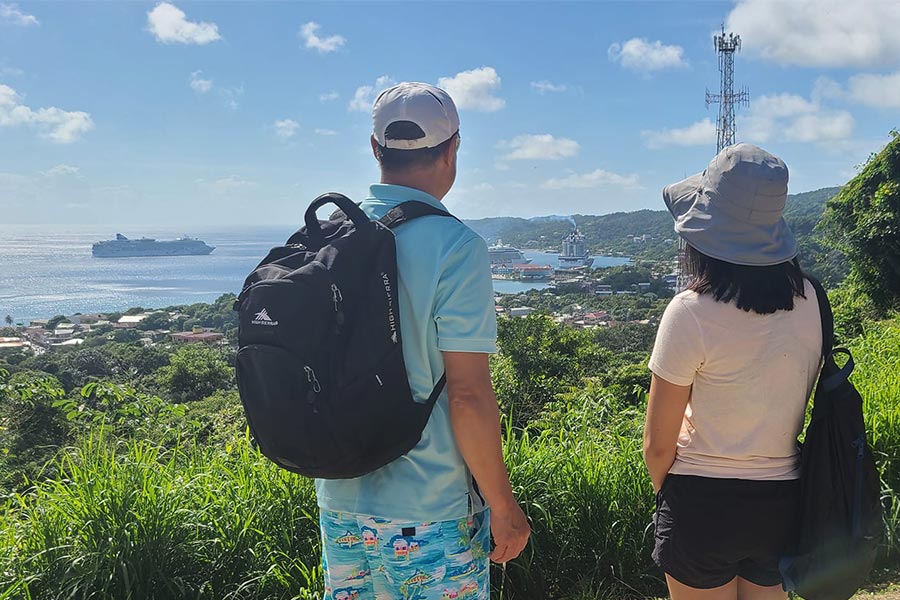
(286, 128)
(792, 118)
(226, 185)
(539, 147)
(232, 96)
(55, 124)
(365, 95)
(62, 171)
(700, 133)
(10, 71)
(544, 86)
(880, 91)
(169, 25)
(820, 33)
(474, 90)
(594, 179)
(200, 85)
(12, 14)
(326, 132)
(324, 45)
(328, 96)
(638, 54)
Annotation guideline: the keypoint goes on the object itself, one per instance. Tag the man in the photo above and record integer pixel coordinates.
(419, 527)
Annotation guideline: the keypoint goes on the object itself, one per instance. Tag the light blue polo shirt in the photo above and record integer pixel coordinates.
(446, 305)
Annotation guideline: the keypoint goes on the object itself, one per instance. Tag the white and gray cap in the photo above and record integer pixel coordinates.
(733, 211)
(429, 107)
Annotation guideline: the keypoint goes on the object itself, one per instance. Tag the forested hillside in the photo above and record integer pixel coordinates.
(614, 234)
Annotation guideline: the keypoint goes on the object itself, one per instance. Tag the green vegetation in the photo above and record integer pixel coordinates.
(614, 234)
(863, 221)
(128, 471)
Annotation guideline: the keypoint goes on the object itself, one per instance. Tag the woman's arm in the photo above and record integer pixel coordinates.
(665, 413)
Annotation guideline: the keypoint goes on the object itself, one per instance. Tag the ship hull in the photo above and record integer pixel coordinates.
(135, 249)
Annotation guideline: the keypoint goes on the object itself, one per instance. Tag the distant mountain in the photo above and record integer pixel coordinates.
(614, 234)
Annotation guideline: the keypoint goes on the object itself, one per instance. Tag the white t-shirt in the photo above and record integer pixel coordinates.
(752, 375)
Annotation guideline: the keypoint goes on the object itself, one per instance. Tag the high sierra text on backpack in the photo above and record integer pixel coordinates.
(840, 513)
(320, 362)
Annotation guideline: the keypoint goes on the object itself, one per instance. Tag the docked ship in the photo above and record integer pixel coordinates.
(122, 246)
(574, 252)
(506, 255)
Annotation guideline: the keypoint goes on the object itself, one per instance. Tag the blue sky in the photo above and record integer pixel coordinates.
(233, 113)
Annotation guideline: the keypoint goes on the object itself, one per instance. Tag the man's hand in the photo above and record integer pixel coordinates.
(476, 425)
(510, 529)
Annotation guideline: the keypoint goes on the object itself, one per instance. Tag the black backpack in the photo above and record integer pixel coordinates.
(840, 514)
(320, 363)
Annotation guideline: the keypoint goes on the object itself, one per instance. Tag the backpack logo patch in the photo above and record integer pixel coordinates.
(392, 320)
(263, 318)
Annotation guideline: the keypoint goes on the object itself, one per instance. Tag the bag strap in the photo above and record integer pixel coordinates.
(402, 213)
(832, 375)
(409, 210)
(435, 393)
(826, 315)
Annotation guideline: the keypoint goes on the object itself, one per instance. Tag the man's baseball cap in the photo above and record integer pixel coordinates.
(428, 107)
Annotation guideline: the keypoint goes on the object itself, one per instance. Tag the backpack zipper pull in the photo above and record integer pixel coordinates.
(336, 296)
(311, 377)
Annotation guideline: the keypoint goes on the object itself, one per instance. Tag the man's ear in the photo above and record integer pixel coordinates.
(374, 143)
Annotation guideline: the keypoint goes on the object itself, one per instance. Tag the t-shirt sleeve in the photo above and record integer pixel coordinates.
(678, 352)
(464, 302)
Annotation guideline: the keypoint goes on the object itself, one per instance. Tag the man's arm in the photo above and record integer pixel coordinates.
(475, 419)
(665, 413)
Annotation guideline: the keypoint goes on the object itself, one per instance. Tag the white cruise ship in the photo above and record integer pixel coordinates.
(122, 246)
(574, 251)
(506, 255)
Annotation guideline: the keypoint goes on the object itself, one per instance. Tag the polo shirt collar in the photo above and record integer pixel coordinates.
(397, 194)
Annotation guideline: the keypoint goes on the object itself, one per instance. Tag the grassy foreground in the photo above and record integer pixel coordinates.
(135, 519)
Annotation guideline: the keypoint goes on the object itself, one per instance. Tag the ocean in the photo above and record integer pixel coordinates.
(49, 270)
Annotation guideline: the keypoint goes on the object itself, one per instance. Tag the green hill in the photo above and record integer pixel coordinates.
(614, 234)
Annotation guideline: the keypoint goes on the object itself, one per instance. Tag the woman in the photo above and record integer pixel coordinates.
(735, 360)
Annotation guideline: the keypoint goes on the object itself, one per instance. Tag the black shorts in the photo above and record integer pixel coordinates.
(709, 531)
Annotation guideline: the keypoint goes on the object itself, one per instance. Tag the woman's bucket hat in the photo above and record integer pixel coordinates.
(733, 210)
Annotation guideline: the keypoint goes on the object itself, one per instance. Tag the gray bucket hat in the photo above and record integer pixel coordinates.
(733, 210)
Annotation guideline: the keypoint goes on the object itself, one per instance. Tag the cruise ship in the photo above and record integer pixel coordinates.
(574, 251)
(506, 255)
(122, 246)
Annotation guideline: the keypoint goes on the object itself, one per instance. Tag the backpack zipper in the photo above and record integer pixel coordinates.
(312, 397)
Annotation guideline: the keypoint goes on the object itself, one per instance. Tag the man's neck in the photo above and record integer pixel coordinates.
(417, 181)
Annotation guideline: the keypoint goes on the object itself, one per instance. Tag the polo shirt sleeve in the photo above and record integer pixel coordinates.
(678, 352)
(464, 301)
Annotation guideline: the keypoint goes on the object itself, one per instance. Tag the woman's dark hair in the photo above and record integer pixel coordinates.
(763, 290)
(393, 159)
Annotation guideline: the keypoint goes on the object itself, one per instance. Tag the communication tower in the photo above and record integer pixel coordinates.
(726, 45)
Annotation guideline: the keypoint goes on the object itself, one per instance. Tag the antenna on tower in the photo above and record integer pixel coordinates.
(726, 45)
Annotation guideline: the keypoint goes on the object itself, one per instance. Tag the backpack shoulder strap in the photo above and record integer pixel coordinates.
(826, 315)
(412, 209)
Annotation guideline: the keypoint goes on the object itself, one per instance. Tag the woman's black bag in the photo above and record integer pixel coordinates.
(840, 515)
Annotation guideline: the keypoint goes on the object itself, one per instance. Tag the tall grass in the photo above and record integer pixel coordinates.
(877, 377)
(134, 519)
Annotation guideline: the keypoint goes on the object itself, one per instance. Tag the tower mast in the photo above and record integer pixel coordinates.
(726, 45)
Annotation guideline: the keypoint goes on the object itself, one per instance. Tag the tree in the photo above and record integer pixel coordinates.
(157, 320)
(32, 427)
(194, 372)
(863, 221)
(53, 322)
